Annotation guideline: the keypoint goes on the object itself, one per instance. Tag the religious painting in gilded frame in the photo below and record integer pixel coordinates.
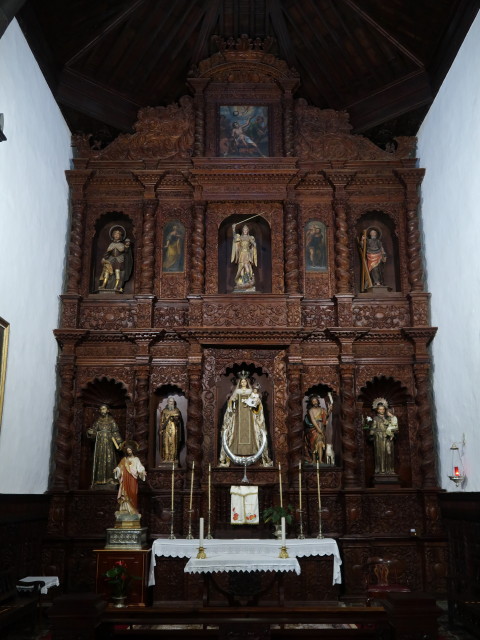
(243, 131)
(316, 258)
(173, 252)
(4, 331)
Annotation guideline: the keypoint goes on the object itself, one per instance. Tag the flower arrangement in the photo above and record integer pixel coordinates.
(368, 423)
(118, 578)
(274, 514)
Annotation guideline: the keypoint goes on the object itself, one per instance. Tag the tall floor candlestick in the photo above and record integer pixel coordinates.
(280, 481)
(300, 485)
(190, 511)
(172, 508)
(209, 532)
(320, 534)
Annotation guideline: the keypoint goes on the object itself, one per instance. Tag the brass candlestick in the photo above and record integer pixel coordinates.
(189, 534)
(320, 534)
(301, 535)
(172, 535)
(209, 533)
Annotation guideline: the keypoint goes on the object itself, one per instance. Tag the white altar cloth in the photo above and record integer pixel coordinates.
(269, 548)
(50, 581)
(241, 562)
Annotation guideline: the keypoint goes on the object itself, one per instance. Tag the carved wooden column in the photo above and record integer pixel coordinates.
(291, 248)
(419, 299)
(198, 85)
(289, 86)
(295, 424)
(195, 413)
(145, 291)
(71, 299)
(197, 264)
(345, 339)
(343, 267)
(65, 431)
(421, 339)
(141, 410)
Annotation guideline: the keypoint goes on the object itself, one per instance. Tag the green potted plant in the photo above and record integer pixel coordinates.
(275, 513)
(118, 579)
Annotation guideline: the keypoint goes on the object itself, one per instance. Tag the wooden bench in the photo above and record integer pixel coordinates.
(15, 606)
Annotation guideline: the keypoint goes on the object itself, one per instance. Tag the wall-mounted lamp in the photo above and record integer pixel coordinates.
(456, 466)
(3, 137)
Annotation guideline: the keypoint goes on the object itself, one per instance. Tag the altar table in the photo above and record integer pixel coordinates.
(246, 552)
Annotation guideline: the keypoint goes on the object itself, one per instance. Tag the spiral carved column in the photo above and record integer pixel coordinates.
(148, 249)
(295, 428)
(194, 421)
(288, 126)
(75, 270)
(427, 444)
(63, 451)
(349, 451)
(141, 412)
(197, 265)
(412, 179)
(291, 248)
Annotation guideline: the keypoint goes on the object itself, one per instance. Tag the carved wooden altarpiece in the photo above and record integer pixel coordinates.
(178, 327)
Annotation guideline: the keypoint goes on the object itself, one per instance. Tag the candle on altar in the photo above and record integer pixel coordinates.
(173, 484)
(280, 480)
(283, 531)
(456, 472)
(318, 485)
(191, 484)
(200, 535)
(209, 486)
(300, 485)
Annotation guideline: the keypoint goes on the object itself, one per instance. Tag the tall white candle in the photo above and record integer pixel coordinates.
(283, 531)
(280, 480)
(209, 486)
(191, 484)
(300, 485)
(200, 535)
(173, 484)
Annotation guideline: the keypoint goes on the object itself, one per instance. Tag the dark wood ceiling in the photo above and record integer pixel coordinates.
(381, 60)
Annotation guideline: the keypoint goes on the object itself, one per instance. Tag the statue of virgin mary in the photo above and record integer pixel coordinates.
(244, 422)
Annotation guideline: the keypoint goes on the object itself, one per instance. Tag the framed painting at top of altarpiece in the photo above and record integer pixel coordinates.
(243, 131)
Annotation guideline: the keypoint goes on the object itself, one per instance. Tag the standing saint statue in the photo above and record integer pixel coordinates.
(170, 431)
(373, 258)
(315, 428)
(244, 422)
(116, 262)
(128, 471)
(383, 428)
(107, 441)
(244, 254)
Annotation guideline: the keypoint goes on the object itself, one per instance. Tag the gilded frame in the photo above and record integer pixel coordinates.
(4, 332)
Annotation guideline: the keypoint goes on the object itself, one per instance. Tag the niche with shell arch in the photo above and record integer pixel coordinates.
(105, 227)
(225, 385)
(385, 227)
(93, 395)
(158, 403)
(259, 228)
(398, 399)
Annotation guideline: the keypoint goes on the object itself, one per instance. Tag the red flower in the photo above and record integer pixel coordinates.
(235, 516)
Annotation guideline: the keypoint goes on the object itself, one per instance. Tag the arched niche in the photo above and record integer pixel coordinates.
(333, 434)
(92, 396)
(158, 403)
(385, 228)
(226, 383)
(398, 399)
(104, 229)
(260, 230)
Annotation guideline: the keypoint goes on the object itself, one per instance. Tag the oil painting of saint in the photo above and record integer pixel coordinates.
(315, 246)
(173, 247)
(243, 132)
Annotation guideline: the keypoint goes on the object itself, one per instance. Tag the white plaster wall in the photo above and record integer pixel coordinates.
(449, 149)
(33, 231)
